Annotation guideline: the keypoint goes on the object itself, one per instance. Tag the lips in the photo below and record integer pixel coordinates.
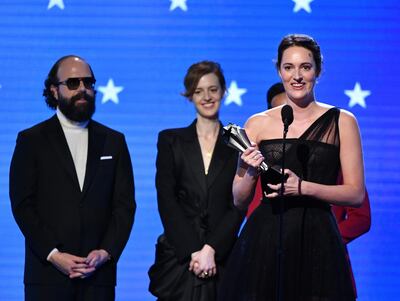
(80, 101)
(207, 104)
(297, 85)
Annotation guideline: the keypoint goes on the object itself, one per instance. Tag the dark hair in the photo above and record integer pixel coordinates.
(52, 79)
(274, 90)
(196, 71)
(304, 41)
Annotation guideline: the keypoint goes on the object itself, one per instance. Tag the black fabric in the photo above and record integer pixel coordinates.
(171, 280)
(195, 209)
(52, 211)
(74, 291)
(314, 266)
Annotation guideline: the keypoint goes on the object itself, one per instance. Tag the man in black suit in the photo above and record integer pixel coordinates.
(72, 193)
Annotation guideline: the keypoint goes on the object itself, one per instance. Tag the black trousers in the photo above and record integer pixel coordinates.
(74, 291)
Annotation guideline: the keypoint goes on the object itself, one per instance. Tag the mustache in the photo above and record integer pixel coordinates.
(82, 95)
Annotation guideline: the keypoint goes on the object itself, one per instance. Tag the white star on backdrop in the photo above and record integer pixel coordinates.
(110, 92)
(357, 96)
(59, 3)
(234, 94)
(302, 4)
(178, 3)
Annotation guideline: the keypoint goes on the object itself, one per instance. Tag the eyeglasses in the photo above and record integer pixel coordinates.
(73, 83)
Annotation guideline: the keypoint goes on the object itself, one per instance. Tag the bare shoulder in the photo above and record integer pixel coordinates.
(263, 118)
(323, 107)
(261, 125)
(347, 119)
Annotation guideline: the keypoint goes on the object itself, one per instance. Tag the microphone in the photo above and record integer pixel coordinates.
(287, 117)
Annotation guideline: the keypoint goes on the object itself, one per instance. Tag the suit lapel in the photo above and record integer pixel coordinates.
(95, 150)
(192, 155)
(220, 155)
(58, 142)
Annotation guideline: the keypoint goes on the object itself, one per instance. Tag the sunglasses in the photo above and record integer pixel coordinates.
(73, 83)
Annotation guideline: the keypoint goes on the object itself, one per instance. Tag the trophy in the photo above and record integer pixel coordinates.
(236, 137)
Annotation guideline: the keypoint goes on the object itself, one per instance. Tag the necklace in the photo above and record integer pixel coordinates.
(207, 145)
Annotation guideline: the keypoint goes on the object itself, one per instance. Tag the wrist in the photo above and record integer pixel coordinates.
(253, 172)
(51, 255)
(299, 188)
(209, 249)
(305, 188)
(105, 254)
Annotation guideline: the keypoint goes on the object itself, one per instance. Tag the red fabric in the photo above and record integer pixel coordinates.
(352, 222)
(256, 199)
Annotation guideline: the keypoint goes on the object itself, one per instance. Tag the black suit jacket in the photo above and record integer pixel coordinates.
(52, 211)
(196, 209)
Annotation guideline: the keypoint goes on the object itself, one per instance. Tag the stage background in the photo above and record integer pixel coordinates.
(140, 50)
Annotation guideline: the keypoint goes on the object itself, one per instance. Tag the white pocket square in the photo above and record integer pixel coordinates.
(105, 157)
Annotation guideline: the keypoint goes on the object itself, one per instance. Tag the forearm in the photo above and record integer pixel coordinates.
(244, 187)
(342, 195)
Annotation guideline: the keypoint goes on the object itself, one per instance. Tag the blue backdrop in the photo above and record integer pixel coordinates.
(140, 50)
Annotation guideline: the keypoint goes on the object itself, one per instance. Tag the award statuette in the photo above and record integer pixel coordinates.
(236, 137)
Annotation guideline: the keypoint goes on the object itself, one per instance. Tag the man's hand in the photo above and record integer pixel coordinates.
(68, 264)
(97, 258)
(93, 261)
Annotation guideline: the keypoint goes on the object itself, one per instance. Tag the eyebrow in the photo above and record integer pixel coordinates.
(304, 63)
(213, 86)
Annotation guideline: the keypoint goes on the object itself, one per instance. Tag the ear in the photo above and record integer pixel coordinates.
(54, 91)
(279, 73)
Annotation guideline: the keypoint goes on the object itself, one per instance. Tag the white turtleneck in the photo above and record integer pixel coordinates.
(76, 134)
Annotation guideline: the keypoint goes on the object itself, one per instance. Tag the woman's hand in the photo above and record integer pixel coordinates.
(203, 262)
(292, 185)
(252, 157)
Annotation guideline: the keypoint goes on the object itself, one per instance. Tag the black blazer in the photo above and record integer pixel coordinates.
(196, 209)
(52, 211)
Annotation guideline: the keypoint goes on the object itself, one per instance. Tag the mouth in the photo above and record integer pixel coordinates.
(208, 104)
(80, 101)
(298, 86)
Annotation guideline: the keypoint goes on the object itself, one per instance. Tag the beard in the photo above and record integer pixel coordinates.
(77, 112)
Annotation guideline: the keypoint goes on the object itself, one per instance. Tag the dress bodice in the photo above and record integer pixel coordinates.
(314, 156)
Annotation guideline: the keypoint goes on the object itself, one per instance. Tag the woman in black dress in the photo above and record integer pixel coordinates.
(321, 141)
(195, 171)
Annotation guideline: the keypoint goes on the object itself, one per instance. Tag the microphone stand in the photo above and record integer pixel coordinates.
(280, 252)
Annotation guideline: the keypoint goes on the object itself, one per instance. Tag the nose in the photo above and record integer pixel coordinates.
(81, 86)
(207, 95)
(297, 74)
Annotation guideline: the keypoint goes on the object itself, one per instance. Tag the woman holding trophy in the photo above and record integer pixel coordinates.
(195, 171)
(290, 248)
